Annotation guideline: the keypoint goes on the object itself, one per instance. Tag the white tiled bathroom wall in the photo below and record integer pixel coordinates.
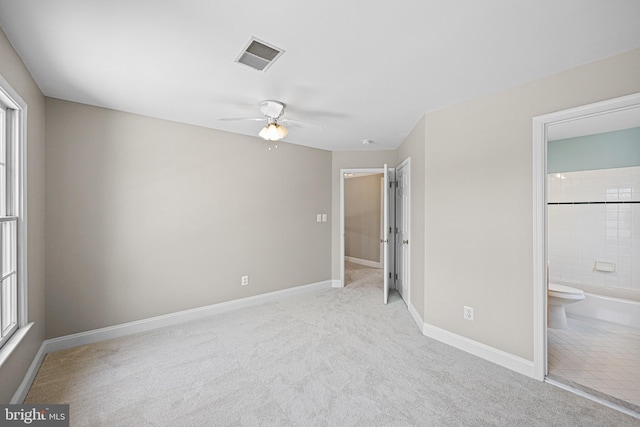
(581, 234)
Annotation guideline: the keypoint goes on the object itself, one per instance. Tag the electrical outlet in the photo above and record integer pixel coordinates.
(468, 313)
(245, 280)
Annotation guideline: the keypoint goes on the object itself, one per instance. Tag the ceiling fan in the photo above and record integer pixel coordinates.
(274, 129)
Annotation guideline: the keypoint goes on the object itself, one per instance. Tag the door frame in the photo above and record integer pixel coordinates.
(540, 125)
(342, 172)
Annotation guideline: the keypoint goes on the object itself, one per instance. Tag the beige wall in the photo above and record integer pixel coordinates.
(478, 201)
(413, 147)
(14, 71)
(349, 160)
(362, 216)
(147, 217)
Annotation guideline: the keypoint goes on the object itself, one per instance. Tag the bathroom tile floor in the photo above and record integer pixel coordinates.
(598, 357)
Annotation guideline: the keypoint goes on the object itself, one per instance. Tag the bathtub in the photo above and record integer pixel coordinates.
(614, 310)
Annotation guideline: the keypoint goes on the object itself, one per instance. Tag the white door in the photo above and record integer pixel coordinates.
(399, 234)
(390, 233)
(385, 239)
(402, 235)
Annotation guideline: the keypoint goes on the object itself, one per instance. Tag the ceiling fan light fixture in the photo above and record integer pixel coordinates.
(273, 132)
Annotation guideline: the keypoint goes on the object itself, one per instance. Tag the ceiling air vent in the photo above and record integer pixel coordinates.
(259, 55)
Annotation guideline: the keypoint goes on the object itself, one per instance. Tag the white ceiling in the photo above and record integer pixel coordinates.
(361, 69)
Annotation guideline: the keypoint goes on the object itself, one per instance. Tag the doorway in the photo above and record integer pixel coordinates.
(394, 235)
(363, 218)
(363, 228)
(590, 119)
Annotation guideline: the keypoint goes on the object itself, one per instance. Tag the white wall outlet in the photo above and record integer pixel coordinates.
(324, 217)
(318, 217)
(468, 313)
(245, 280)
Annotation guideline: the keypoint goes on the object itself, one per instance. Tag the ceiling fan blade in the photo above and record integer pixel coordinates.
(241, 119)
(297, 123)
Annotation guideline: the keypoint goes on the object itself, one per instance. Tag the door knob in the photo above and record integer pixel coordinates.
(405, 242)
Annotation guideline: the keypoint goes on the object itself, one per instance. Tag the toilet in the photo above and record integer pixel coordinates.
(559, 296)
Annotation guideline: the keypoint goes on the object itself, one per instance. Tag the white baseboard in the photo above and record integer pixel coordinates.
(110, 332)
(124, 329)
(478, 349)
(336, 283)
(25, 385)
(365, 262)
(416, 317)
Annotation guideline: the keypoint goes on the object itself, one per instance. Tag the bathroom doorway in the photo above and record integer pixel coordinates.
(587, 297)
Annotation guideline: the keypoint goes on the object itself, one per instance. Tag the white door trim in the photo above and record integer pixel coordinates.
(540, 125)
(342, 172)
(386, 241)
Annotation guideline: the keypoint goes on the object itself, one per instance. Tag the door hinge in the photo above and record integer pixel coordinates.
(389, 275)
(396, 276)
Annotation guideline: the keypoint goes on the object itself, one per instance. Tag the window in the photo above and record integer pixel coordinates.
(11, 212)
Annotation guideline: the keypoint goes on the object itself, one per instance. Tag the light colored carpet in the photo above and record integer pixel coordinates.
(336, 357)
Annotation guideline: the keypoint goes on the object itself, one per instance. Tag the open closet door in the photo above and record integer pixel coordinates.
(385, 238)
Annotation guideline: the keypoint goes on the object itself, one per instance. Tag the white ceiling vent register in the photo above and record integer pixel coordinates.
(259, 55)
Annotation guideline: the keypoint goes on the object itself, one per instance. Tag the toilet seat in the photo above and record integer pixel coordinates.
(558, 297)
(566, 292)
